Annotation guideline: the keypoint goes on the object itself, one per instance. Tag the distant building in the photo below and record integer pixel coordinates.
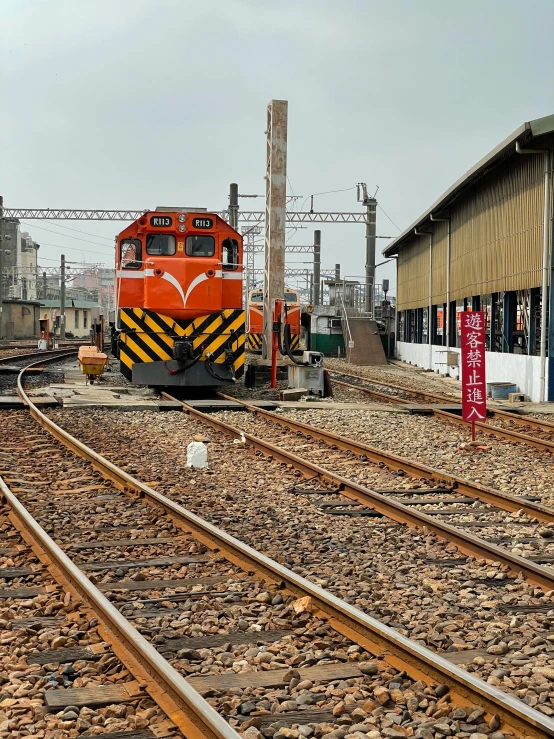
(19, 263)
(99, 282)
(29, 267)
(78, 314)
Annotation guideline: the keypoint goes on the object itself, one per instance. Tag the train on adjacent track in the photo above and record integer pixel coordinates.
(256, 319)
(180, 319)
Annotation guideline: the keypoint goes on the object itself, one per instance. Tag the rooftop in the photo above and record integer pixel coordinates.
(525, 135)
(70, 303)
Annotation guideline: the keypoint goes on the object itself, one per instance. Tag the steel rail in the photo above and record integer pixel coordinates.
(46, 356)
(486, 428)
(400, 652)
(498, 498)
(182, 704)
(395, 386)
(393, 509)
(521, 420)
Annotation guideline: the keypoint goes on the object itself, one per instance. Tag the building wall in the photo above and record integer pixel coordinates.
(521, 369)
(496, 238)
(20, 320)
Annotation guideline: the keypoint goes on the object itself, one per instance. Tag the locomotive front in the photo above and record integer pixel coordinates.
(180, 320)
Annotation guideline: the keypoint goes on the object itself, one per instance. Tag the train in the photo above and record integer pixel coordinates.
(180, 319)
(256, 319)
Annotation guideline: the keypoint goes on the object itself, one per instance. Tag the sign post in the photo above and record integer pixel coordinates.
(474, 388)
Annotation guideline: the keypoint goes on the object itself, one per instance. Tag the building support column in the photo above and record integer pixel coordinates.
(534, 294)
(476, 303)
(434, 325)
(452, 324)
(508, 321)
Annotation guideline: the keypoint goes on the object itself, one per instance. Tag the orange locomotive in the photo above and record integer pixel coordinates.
(179, 298)
(256, 318)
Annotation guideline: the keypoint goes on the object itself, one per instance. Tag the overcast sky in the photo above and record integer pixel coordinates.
(139, 103)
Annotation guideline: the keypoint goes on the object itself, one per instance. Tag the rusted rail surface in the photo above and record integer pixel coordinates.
(45, 356)
(400, 651)
(486, 428)
(505, 501)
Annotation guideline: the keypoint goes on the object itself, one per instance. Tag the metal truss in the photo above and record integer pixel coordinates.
(73, 215)
(307, 217)
(259, 248)
(290, 272)
(131, 215)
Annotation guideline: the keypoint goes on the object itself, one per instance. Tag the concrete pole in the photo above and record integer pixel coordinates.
(62, 297)
(275, 215)
(234, 205)
(370, 239)
(44, 289)
(317, 266)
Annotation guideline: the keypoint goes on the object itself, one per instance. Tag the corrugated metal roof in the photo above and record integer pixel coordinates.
(523, 134)
(70, 303)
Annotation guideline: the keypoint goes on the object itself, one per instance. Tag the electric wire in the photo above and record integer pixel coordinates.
(59, 233)
(60, 225)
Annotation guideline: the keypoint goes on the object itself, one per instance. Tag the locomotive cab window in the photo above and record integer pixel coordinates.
(130, 254)
(200, 246)
(230, 254)
(160, 245)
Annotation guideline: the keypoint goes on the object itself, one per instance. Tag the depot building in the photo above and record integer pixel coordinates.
(485, 244)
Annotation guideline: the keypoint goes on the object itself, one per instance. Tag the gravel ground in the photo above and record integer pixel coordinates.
(385, 569)
(512, 468)
(410, 377)
(381, 702)
(22, 709)
(53, 373)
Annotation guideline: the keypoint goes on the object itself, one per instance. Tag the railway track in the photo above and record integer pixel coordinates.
(501, 424)
(426, 507)
(402, 671)
(11, 365)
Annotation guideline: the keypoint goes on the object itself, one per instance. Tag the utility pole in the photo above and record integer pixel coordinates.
(370, 237)
(2, 247)
(62, 297)
(44, 289)
(317, 266)
(275, 215)
(234, 205)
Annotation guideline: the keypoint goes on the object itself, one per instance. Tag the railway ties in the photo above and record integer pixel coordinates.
(305, 669)
(399, 677)
(509, 426)
(52, 649)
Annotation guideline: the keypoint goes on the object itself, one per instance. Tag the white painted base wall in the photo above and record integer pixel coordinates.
(520, 369)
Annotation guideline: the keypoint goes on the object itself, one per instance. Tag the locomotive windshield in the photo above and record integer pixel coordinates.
(160, 245)
(130, 254)
(200, 246)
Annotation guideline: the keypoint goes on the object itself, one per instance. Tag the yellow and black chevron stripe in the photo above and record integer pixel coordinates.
(255, 342)
(147, 336)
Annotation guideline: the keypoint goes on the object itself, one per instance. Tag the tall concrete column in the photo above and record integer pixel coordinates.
(317, 266)
(275, 215)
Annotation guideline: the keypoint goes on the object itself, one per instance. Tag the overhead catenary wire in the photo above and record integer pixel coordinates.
(59, 233)
(327, 192)
(387, 216)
